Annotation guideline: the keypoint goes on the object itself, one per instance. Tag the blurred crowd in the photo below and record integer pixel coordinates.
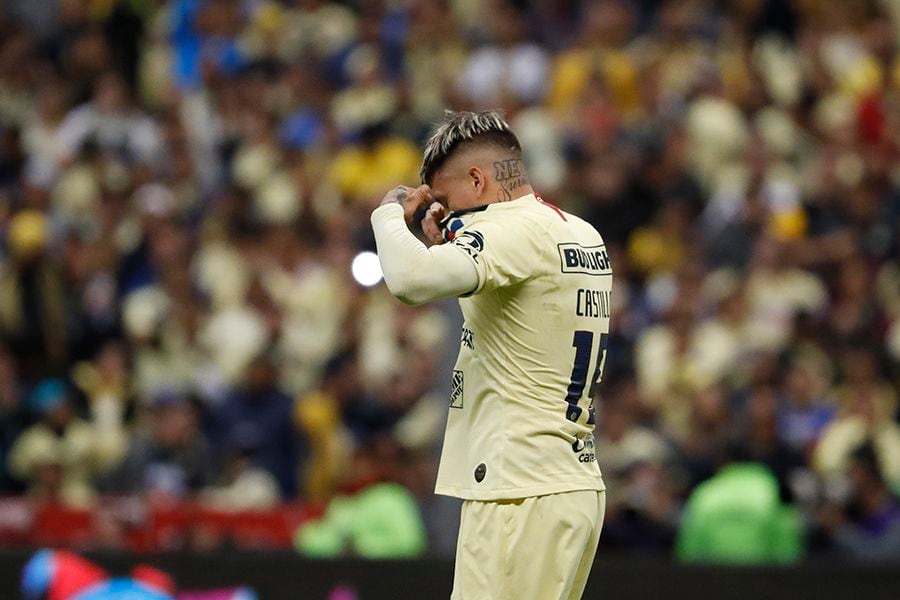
(184, 185)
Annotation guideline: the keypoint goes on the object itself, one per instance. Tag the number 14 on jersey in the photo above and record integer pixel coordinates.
(583, 342)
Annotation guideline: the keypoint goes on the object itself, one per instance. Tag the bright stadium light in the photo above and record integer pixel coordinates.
(366, 269)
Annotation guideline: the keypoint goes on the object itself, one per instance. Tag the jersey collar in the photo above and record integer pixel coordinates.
(456, 214)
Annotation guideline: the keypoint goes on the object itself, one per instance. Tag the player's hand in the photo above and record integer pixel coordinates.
(431, 224)
(409, 198)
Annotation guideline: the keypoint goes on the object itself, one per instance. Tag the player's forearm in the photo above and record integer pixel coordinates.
(413, 273)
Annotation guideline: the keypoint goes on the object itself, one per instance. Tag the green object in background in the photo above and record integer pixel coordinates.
(736, 517)
(382, 521)
(319, 539)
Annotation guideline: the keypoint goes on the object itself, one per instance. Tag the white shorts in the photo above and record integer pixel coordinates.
(539, 548)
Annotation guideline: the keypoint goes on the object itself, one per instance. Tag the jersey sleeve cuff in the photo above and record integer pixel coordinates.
(479, 272)
(387, 211)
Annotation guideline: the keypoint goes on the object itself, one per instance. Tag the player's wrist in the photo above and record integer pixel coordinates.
(397, 196)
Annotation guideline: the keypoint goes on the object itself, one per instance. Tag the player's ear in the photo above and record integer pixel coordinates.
(477, 180)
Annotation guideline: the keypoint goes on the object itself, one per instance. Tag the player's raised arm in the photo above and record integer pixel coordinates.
(414, 273)
(472, 161)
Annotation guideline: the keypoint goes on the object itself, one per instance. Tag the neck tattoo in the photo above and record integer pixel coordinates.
(510, 174)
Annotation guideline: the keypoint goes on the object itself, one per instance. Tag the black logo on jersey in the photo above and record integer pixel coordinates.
(584, 448)
(590, 260)
(472, 242)
(468, 338)
(456, 389)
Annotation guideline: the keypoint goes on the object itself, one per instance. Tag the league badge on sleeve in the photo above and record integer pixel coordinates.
(472, 242)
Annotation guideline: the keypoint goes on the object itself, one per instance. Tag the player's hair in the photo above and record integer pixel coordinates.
(466, 129)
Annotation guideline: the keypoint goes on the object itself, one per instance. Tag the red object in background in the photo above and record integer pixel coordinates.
(143, 527)
(57, 525)
(268, 529)
(73, 574)
(165, 528)
(870, 119)
(261, 529)
(153, 577)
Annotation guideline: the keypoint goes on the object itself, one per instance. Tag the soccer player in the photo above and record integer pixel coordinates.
(534, 284)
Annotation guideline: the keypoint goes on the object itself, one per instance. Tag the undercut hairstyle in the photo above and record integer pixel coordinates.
(465, 130)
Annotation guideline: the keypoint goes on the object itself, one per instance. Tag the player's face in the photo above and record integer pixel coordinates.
(458, 188)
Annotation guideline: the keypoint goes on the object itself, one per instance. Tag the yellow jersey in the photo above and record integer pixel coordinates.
(532, 349)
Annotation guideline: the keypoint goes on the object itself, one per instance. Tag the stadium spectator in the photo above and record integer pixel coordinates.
(375, 516)
(13, 417)
(242, 485)
(256, 410)
(105, 385)
(509, 70)
(758, 440)
(621, 438)
(867, 414)
(60, 457)
(873, 529)
(319, 416)
(32, 298)
(737, 517)
(172, 460)
(113, 123)
(641, 472)
(807, 407)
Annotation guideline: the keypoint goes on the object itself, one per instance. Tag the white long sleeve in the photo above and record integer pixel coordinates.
(414, 273)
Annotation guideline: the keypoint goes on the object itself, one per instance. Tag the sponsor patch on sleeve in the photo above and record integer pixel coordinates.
(590, 260)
